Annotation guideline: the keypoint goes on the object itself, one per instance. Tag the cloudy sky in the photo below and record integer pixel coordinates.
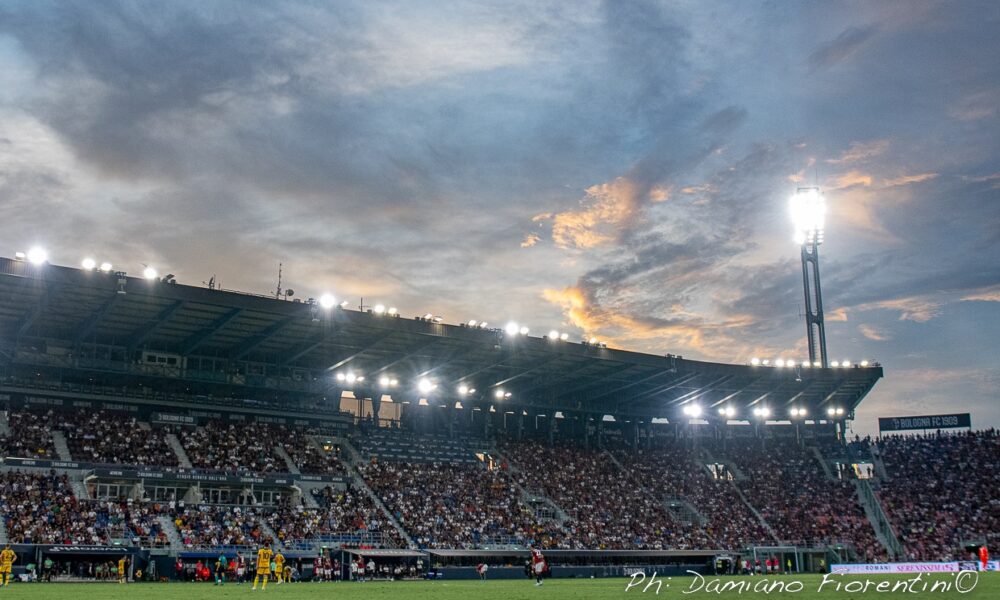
(616, 169)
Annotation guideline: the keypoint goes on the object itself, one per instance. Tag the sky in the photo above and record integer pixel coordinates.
(613, 169)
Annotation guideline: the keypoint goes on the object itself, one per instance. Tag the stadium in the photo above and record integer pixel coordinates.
(172, 424)
(591, 380)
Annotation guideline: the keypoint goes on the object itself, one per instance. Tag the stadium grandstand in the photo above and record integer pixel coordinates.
(175, 423)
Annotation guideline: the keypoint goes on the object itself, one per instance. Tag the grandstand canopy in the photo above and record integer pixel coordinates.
(80, 321)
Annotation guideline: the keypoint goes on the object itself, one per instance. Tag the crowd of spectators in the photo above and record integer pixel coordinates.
(341, 512)
(608, 507)
(788, 486)
(209, 526)
(449, 505)
(943, 491)
(672, 469)
(105, 437)
(29, 435)
(40, 508)
(249, 447)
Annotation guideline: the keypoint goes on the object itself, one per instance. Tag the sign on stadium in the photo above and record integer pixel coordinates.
(925, 422)
(916, 567)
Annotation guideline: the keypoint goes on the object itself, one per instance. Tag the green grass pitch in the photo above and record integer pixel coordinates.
(987, 587)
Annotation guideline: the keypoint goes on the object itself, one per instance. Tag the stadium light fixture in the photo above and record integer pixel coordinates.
(840, 411)
(755, 361)
(779, 362)
(425, 385)
(553, 335)
(20, 255)
(498, 393)
(511, 328)
(472, 323)
(762, 412)
(808, 208)
(89, 264)
(692, 410)
(523, 330)
(105, 267)
(391, 311)
(845, 363)
(37, 255)
(327, 301)
(428, 316)
(344, 304)
(835, 364)
(563, 337)
(387, 382)
(149, 273)
(463, 390)
(378, 309)
(458, 405)
(722, 411)
(730, 412)
(864, 363)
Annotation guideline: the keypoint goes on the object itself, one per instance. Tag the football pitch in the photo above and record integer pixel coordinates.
(807, 587)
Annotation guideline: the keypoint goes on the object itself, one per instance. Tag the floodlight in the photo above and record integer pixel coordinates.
(780, 362)
(835, 364)
(524, 331)
(498, 393)
(563, 336)
(343, 304)
(794, 412)
(37, 255)
(89, 264)
(472, 322)
(392, 311)
(730, 411)
(864, 363)
(507, 395)
(831, 411)
(463, 389)
(379, 309)
(817, 363)
(350, 377)
(20, 255)
(803, 412)
(149, 273)
(483, 324)
(808, 208)
(765, 411)
(755, 361)
(722, 411)
(512, 328)
(692, 410)
(458, 405)
(425, 385)
(428, 316)
(766, 362)
(592, 341)
(340, 377)
(384, 381)
(840, 410)
(327, 300)
(553, 335)
(845, 363)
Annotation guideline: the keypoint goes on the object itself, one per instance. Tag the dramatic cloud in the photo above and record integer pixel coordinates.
(616, 169)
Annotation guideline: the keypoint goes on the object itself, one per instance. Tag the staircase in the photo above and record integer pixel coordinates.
(708, 458)
(62, 448)
(823, 463)
(4, 423)
(879, 520)
(532, 497)
(880, 471)
(175, 443)
(3, 532)
(767, 526)
(265, 528)
(173, 536)
(279, 450)
(359, 482)
(78, 485)
(680, 509)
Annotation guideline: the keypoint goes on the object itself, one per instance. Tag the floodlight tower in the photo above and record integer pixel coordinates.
(809, 215)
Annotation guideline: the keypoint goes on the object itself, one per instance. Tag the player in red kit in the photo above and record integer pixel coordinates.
(984, 556)
(537, 564)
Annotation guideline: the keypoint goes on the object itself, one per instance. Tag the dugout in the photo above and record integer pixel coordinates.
(510, 564)
(391, 557)
(77, 561)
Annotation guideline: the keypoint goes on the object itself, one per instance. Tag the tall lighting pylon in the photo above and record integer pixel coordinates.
(809, 215)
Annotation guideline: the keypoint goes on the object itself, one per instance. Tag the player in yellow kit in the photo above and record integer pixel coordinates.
(263, 566)
(121, 569)
(7, 558)
(279, 566)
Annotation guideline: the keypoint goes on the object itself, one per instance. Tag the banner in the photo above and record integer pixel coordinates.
(172, 419)
(920, 567)
(925, 422)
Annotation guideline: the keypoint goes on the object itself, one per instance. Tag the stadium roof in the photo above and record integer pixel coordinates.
(69, 308)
